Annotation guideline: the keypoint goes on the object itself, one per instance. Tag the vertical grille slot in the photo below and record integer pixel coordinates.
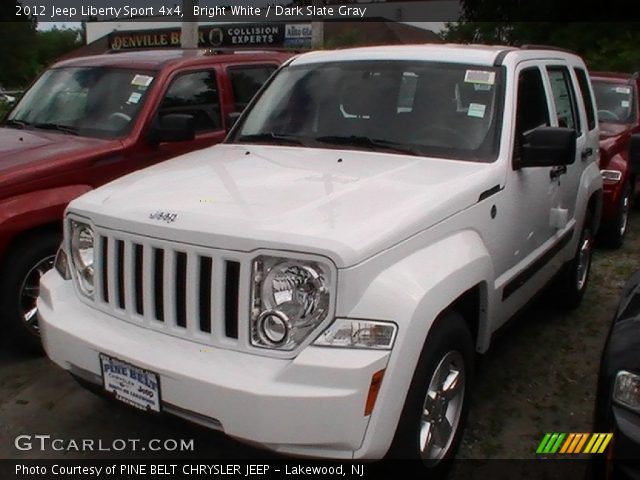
(120, 273)
(137, 278)
(204, 293)
(105, 268)
(186, 291)
(181, 289)
(158, 284)
(232, 285)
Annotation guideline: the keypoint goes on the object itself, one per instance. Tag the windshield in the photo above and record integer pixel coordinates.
(411, 107)
(87, 101)
(615, 102)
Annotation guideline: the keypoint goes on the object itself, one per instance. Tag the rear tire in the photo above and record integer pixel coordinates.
(573, 281)
(436, 406)
(25, 264)
(612, 236)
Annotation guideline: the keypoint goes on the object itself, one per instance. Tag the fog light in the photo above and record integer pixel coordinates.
(274, 327)
(349, 333)
(626, 390)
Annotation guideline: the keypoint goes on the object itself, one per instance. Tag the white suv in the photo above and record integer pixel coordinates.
(320, 283)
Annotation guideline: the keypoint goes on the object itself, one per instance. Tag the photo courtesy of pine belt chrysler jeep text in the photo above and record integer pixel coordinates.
(319, 284)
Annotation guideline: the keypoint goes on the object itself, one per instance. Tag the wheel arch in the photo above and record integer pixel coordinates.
(459, 281)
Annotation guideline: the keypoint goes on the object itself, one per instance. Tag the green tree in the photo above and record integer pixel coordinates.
(604, 45)
(18, 40)
(54, 43)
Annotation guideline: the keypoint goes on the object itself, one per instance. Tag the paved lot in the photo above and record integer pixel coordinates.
(539, 377)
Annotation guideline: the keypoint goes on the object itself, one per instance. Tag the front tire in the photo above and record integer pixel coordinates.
(25, 264)
(436, 407)
(573, 281)
(613, 235)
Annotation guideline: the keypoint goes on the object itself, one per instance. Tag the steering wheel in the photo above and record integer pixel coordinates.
(608, 114)
(445, 136)
(119, 116)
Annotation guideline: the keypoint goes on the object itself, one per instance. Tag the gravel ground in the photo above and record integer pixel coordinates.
(541, 373)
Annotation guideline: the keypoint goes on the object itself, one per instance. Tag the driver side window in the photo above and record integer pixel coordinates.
(532, 110)
(195, 94)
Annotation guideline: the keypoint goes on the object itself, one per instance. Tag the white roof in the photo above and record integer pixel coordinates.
(452, 53)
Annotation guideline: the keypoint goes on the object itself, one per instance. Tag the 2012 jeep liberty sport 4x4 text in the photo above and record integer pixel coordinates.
(89, 120)
(320, 283)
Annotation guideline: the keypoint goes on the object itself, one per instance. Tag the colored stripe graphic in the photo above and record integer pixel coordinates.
(568, 442)
(543, 443)
(573, 443)
(583, 440)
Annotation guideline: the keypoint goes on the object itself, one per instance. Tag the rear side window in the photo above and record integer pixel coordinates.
(564, 97)
(585, 91)
(194, 94)
(246, 81)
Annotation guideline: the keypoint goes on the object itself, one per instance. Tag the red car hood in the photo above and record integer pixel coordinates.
(25, 154)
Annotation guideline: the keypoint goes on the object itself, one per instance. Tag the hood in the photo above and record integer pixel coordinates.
(28, 154)
(346, 205)
(614, 138)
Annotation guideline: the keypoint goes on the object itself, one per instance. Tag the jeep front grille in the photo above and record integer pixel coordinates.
(180, 289)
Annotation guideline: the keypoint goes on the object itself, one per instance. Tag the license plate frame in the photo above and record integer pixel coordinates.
(130, 384)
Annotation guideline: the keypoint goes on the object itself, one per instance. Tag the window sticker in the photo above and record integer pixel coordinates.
(476, 110)
(135, 97)
(625, 104)
(479, 87)
(623, 90)
(141, 80)
(481, 77)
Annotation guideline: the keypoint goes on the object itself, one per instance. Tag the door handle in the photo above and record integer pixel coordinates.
(555, 172)
(586, 153)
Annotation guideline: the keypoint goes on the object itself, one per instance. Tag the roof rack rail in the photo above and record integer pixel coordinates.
(528, 46)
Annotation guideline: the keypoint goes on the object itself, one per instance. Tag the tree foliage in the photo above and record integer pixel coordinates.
(17, 63)
(25, 51)
(611, 46)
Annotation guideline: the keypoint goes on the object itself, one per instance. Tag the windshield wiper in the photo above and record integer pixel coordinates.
(56, 126)
(15, 123)
(372, 143)
(271, 137)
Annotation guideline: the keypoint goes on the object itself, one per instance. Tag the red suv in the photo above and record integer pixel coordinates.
(89, 120)
(619, 116)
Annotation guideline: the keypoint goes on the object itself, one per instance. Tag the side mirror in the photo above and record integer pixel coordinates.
(232, 118)
(634, 153)
(173, 127)
(548, 147)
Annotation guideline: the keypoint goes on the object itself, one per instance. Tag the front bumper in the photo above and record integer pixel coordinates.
(311, 405)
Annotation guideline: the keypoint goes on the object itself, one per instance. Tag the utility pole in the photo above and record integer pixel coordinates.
(189, 29)
(317, 28)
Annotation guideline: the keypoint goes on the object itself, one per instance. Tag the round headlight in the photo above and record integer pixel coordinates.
(289, 300)
(273, 327)
(298, 291)
(82, 253)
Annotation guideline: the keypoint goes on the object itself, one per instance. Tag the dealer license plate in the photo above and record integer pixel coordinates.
(135, 386)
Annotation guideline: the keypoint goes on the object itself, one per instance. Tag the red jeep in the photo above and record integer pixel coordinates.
(619, 116)
(89, 120)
